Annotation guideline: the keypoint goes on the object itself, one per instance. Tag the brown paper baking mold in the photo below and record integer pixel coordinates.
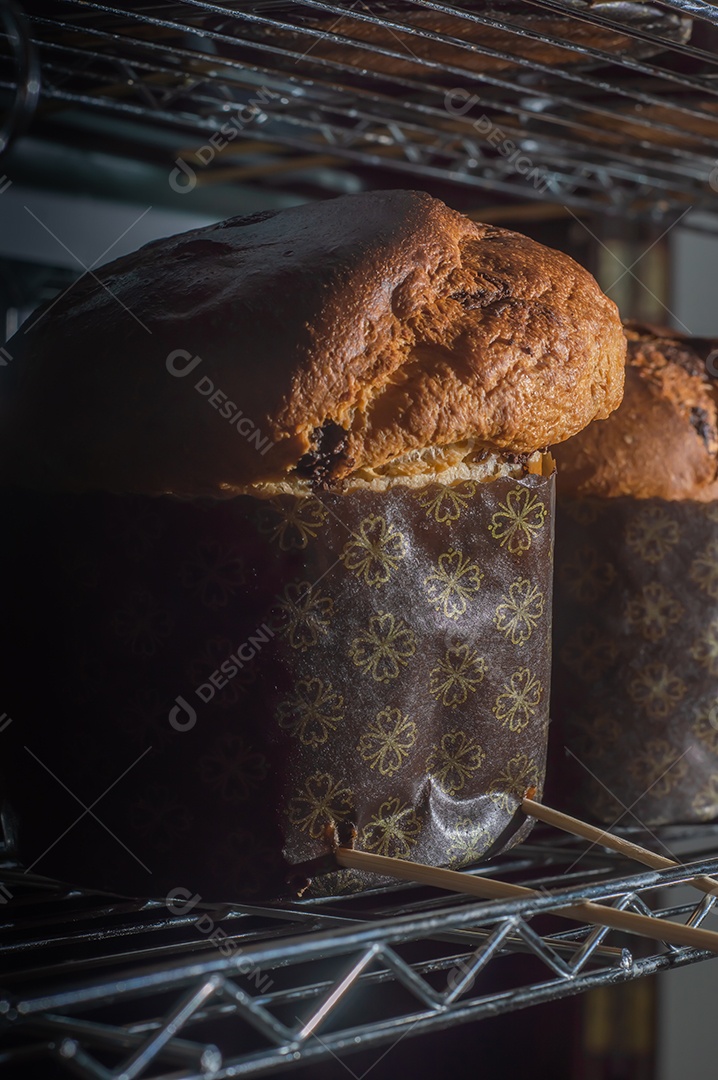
(253, 669)
(635, 688)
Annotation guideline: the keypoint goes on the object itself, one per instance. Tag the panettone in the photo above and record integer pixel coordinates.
(636, 594)
(281, 508)
(663, 441)
(372, 331)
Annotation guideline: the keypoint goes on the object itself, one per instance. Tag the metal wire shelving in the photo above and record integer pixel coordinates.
(610, 107)
(364, 94)
(112, 987)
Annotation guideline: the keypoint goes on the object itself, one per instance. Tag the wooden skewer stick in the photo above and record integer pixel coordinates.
(599, 836)
(489, 889)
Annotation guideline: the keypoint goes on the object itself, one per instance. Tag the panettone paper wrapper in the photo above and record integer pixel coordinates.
(635, 687)
(217, 681)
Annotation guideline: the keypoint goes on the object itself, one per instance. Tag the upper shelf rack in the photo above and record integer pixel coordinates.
(610, 107)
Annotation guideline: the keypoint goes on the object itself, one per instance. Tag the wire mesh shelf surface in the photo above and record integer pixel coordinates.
(177, 988)
(610, 106)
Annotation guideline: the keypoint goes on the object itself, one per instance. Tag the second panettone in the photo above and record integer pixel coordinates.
(288, 526)
(635, 691)
(662, 443)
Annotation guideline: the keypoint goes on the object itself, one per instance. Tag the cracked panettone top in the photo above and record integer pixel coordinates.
(312, 343)
(663, 440)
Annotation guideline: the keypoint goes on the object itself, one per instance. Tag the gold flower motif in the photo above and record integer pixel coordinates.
(588, 653)
(510, 785)
(586, 575)
(705, 648)
(658, 769)
(596, 735)
(602, 804)
(322, 800)
(468, 844)
(518, 614)
(375, 550)
(393, 830)
(303, 614)
(142, 623)
(387, 741)
(384, 648)
(704, 570)
(517, 521)
(653, 612)
(705, 726)
(445, 504)
(337, 884)
(583, 511)
(652, 534)
(214, 574)
(705, 804)
(656, 689)
(519, 701)
(450, 588)
(313, 711)
(234, 768)
(457, 675)
(299, 521)
(457, 758)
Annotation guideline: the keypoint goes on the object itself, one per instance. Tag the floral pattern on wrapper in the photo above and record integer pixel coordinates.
(255, 672)
(636, 659)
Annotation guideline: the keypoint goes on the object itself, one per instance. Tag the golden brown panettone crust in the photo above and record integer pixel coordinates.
(349, 332)
(663, 440)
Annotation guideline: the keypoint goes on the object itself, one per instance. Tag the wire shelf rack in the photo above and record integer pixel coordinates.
(179, 989)
(610, 107)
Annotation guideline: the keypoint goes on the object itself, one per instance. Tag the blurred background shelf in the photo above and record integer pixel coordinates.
(608, 107)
